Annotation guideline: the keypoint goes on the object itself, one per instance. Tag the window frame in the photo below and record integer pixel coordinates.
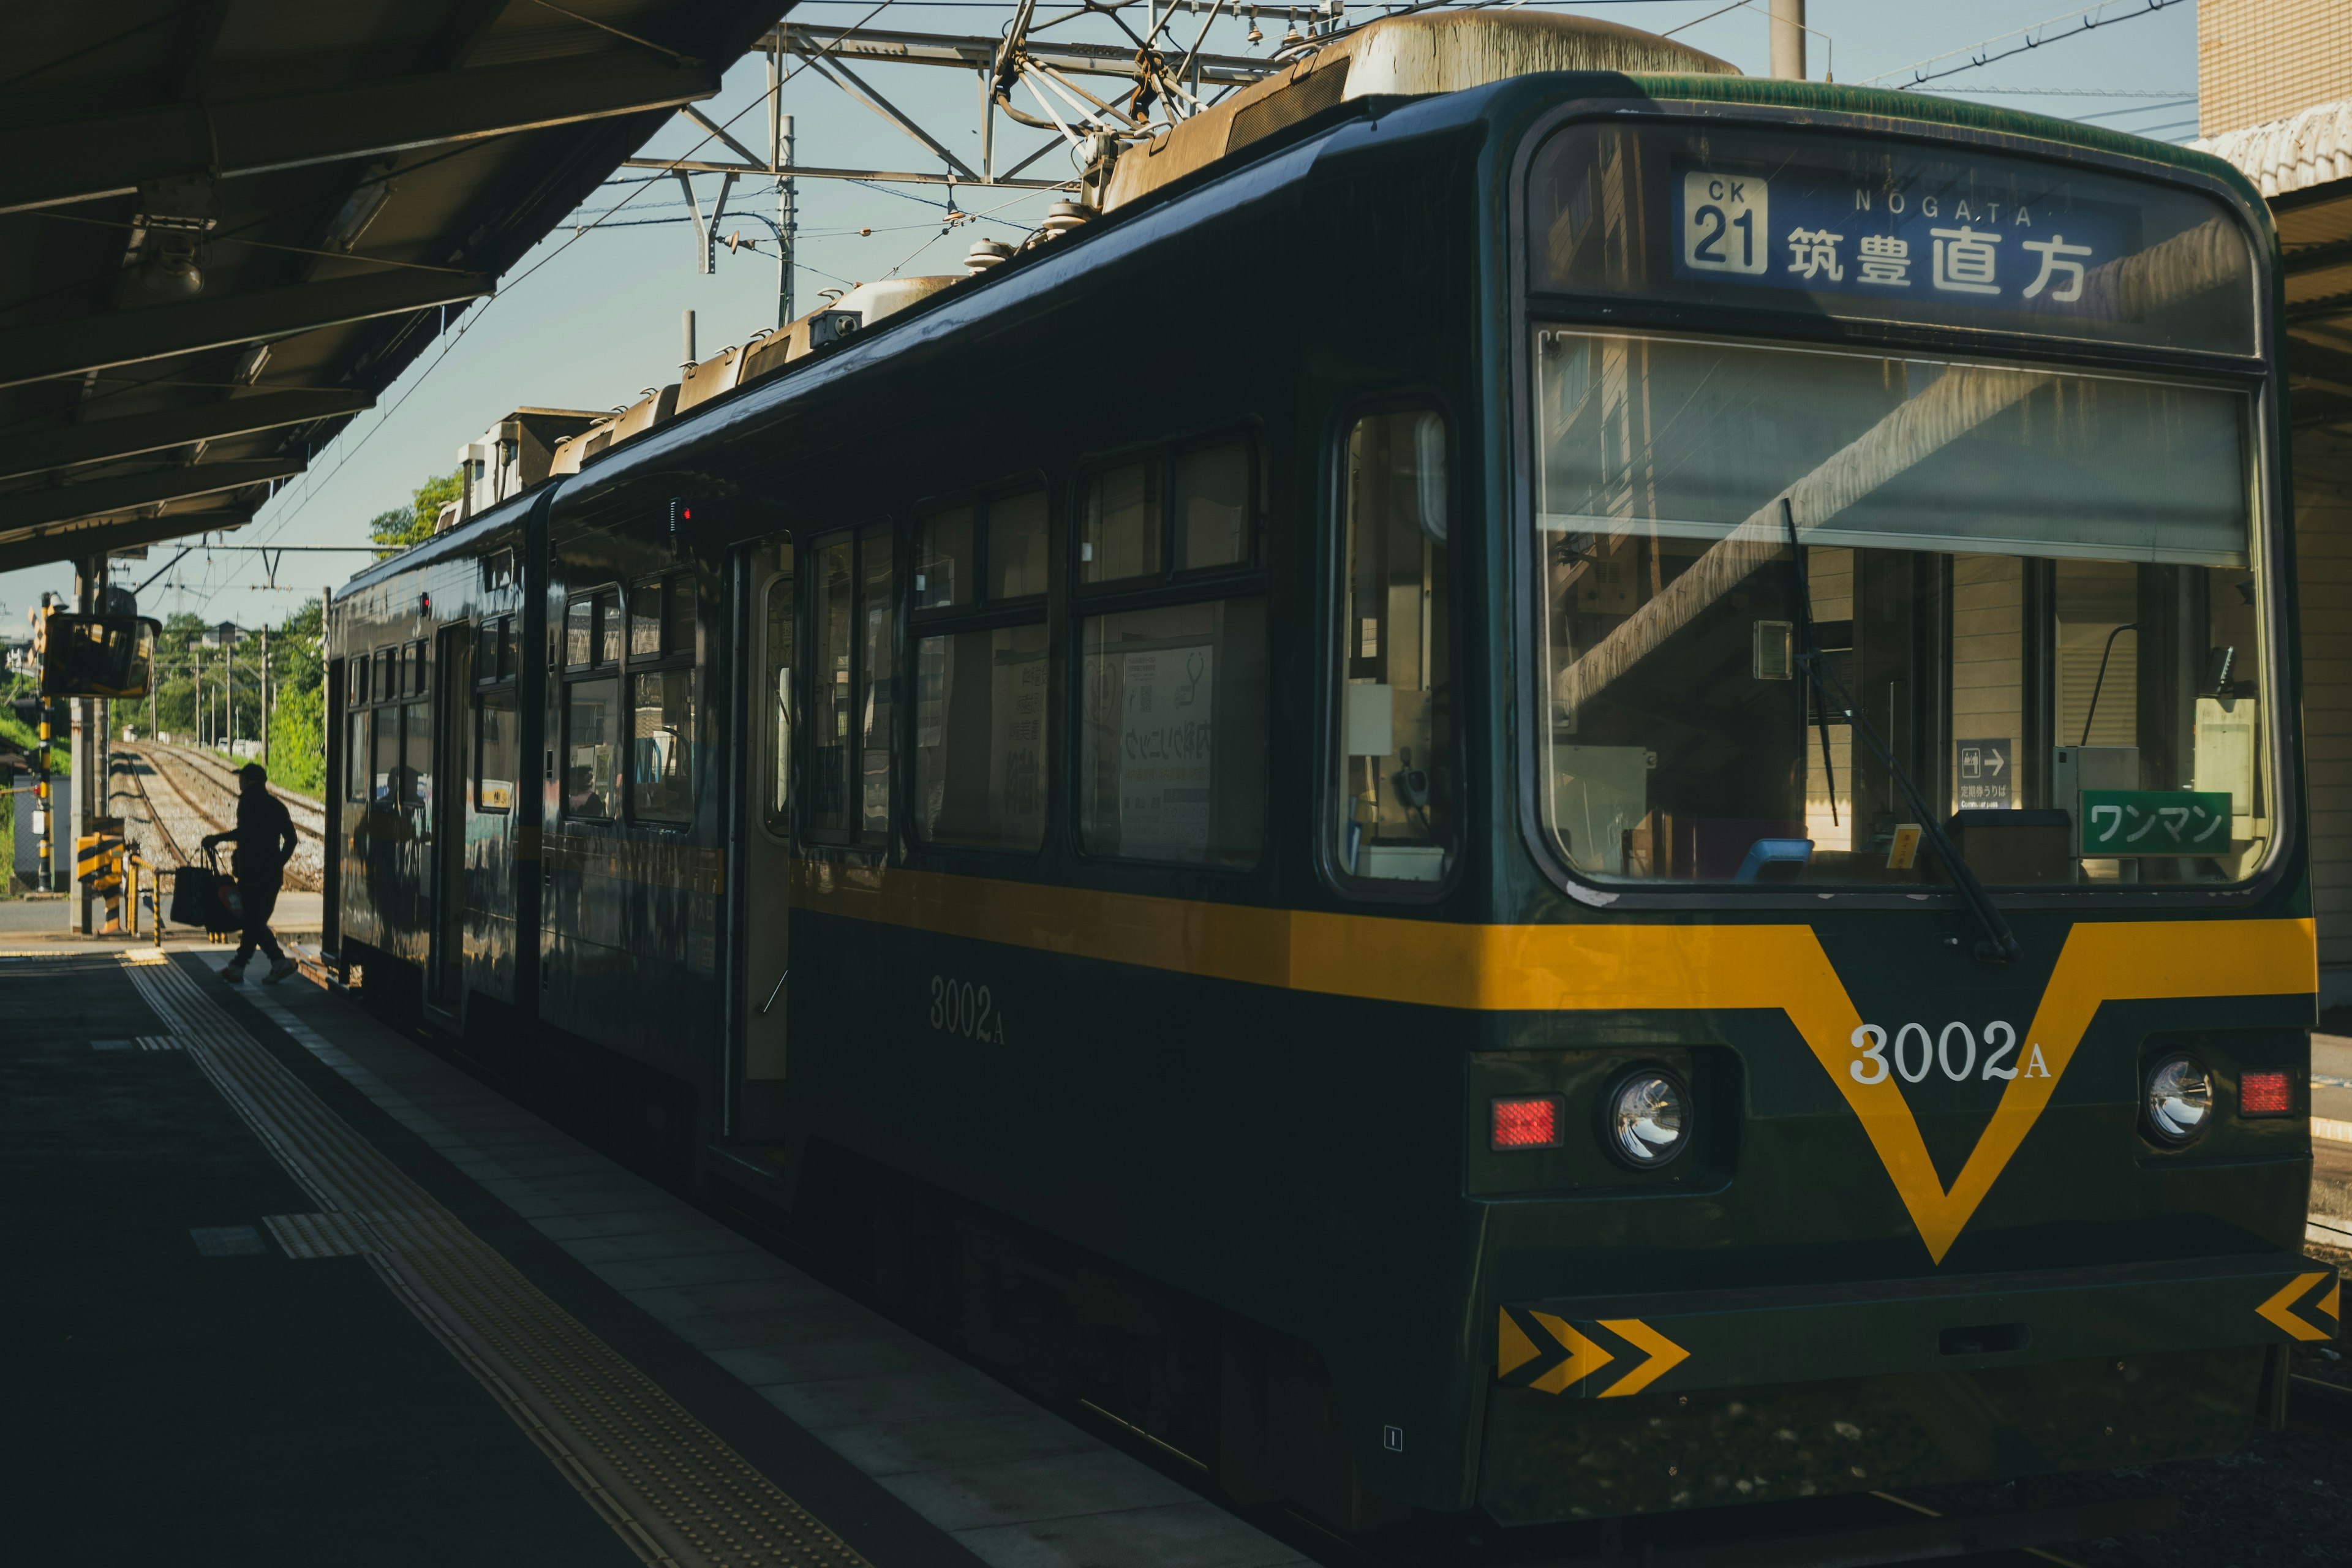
(568, 674)
(1167, 588)
(506, 631)
(807, 622)
(1167, 452)
(775, 768)
(1330, 662)
(2273, 506)
(631, 665)
(984, 614)
(359, 760)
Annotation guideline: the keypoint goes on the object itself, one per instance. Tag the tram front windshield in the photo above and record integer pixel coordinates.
(2028, 602)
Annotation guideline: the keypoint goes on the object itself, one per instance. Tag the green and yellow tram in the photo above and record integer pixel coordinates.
(1545, 782)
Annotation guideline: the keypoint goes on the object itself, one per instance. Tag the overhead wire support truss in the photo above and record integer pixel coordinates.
(1174, 80)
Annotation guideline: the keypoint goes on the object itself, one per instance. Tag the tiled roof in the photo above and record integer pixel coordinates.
(2303, 150)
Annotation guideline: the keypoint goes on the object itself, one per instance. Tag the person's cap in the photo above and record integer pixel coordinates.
(255, 771)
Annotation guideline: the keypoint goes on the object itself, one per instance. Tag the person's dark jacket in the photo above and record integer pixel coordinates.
(263, 835)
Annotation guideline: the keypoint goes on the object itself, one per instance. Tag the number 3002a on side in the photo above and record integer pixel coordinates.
(960, 1007)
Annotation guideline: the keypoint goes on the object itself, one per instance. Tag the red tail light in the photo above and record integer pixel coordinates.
(2270, 1092)
(1528, 1121)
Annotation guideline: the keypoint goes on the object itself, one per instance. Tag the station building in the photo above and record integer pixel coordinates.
(2274, 98)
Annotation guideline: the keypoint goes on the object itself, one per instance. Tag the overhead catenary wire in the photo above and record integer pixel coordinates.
(470, 315)
(2088, 19)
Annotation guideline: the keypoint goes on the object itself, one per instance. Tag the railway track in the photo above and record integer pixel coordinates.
(204, 794)
(165, 850)
(310, 817)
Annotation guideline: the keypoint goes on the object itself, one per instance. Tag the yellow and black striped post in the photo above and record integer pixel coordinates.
(97, 865)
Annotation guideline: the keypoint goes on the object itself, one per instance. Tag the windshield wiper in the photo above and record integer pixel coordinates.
(1999, 943)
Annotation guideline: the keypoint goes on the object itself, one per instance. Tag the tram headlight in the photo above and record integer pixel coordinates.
(2179, 1100)
(1648, 1118)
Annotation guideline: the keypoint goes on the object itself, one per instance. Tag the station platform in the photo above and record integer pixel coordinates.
(286, 1288)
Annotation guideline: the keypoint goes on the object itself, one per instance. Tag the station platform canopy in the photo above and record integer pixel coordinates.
(2303, 164)
(226, 227)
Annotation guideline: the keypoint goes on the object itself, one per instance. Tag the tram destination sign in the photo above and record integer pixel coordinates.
(1927, 230)
(1827, 234)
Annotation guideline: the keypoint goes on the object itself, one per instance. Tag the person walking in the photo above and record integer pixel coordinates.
(263, 835)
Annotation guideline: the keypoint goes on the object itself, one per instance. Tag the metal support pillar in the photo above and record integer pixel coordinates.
(1789, 39)
(89, 757)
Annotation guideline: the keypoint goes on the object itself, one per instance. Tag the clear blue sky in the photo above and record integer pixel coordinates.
(586, 322)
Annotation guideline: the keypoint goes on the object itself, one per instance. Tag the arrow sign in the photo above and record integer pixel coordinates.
(2304, 1298)
(1552, 1355)
(1982, 774)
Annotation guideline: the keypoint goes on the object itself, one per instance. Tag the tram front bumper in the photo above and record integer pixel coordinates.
(1638, 1405)
(1616, 1348)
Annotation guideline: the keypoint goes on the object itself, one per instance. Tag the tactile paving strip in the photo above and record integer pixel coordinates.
(671, 1487)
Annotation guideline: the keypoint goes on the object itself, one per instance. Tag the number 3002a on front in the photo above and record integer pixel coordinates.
(1726, 222)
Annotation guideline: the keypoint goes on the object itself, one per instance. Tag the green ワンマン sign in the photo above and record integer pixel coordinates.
(2153, 822)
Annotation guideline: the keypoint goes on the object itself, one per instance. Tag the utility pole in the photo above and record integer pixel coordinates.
(780, 157)
(1789, 39)
(265, 695)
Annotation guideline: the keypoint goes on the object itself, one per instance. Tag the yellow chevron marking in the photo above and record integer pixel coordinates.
(2279, 1309)
(1665, 1356)
(1514, 1350)
(1584, 1357)
(1603, 964)
(2327, 1304)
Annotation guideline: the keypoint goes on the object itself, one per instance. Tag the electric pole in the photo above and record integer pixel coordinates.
(1789, 39)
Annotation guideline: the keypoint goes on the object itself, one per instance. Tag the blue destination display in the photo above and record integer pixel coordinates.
(1955, 240)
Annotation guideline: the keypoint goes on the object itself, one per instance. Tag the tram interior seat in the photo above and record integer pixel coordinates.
(1775, 860)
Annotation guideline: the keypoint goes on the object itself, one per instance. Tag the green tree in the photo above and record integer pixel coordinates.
(413, 524)
(298, 713)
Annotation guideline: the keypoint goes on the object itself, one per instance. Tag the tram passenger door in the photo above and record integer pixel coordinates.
(453, 766)
(767, 839)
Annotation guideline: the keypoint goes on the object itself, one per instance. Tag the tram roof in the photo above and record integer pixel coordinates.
(657, 448)
(340, 176)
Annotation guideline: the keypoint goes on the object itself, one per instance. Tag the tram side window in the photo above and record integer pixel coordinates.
(496, 721)
(981, 666)
(852, 687)
(835, 610)
(384, 781)
(592, 701)
(776, 683)
(416, 766)
(661, 698)
(1397, 787)
(355, 757)
(1171, 745)
(495, 738)
(878, 681)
